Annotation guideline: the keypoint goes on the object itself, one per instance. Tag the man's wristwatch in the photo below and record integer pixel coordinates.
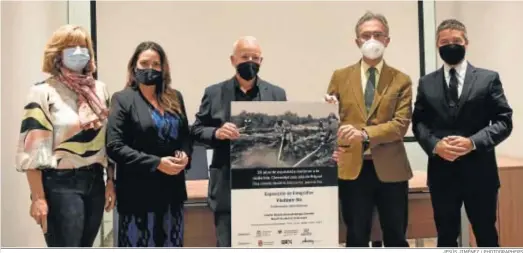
(365, 137)
(365, 141)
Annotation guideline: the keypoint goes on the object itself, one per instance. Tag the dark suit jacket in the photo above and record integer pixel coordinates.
(215, 110)
(132, 143)
(483, 115)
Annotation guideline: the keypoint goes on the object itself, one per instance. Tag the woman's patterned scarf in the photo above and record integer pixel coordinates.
(92, 110)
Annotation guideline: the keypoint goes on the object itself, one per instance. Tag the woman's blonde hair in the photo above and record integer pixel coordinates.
(67, 36)
(167, 96)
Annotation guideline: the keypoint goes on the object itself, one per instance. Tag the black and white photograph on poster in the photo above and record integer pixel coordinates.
(286, 134)
(284, 189)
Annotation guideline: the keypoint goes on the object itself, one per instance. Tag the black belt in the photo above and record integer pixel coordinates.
(89, 168)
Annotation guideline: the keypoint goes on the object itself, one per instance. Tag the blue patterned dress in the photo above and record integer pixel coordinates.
(162, 228)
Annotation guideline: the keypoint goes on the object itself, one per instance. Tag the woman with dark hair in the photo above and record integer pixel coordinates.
(148, 138)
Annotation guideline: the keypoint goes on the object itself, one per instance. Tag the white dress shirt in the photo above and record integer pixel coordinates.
(461, 70)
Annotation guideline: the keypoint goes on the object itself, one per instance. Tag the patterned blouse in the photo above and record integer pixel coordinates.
(51, 137)
(166, 124)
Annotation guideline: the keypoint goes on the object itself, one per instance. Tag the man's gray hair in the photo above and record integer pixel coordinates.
(452, 24)
(248, 39)
(368, 16)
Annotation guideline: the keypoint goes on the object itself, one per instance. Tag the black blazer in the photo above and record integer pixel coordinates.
(215, 110)
(483, 114)
(132, 143)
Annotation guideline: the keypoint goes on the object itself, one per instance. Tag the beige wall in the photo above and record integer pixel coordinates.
(25, 27)
(302, 42)
(494, 30)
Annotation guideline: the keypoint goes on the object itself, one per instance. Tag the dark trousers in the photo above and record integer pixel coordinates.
(358, 198)
(76, 201)
(222, 225)
(480, 206)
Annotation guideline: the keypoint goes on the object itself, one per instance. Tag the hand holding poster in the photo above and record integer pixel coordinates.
(283, 178)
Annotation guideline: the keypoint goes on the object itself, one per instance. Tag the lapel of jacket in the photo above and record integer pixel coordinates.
(470, 77)
(354, 81)
(265, 94)
(386, 76)
(144, 114)
(227, 98)
(440, 90)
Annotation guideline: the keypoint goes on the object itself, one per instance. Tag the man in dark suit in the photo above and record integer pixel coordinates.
(460, 115)
(211, 126)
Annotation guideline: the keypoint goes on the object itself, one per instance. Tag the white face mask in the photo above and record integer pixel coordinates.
(75, 58)
(372, 49)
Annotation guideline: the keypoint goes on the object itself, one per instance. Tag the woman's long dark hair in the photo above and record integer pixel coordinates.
(167, 97)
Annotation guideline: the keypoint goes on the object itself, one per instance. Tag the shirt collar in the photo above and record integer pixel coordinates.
(365, 67)
(254, 88)
(237, 83)
(461, 68)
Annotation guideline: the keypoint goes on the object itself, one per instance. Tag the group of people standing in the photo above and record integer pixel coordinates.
(74, 135)
(72, 130)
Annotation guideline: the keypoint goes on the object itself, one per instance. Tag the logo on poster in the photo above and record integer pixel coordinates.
(263, 233)
(286, 242)
(290, 232)
(305, 241)
(265, 243)
(306, 232)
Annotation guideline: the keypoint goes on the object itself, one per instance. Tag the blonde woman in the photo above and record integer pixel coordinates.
(62, 139)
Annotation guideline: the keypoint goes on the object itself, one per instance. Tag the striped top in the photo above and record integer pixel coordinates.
(50, 135)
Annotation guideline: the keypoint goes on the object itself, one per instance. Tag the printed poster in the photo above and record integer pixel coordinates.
(283, 179)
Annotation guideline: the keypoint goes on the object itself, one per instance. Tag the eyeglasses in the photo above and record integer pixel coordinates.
(375, 35)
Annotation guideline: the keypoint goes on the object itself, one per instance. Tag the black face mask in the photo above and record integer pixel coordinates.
(148, 77)
(248, 70)
(452, 54)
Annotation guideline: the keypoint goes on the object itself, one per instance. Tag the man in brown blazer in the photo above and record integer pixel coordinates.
(375, 106)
